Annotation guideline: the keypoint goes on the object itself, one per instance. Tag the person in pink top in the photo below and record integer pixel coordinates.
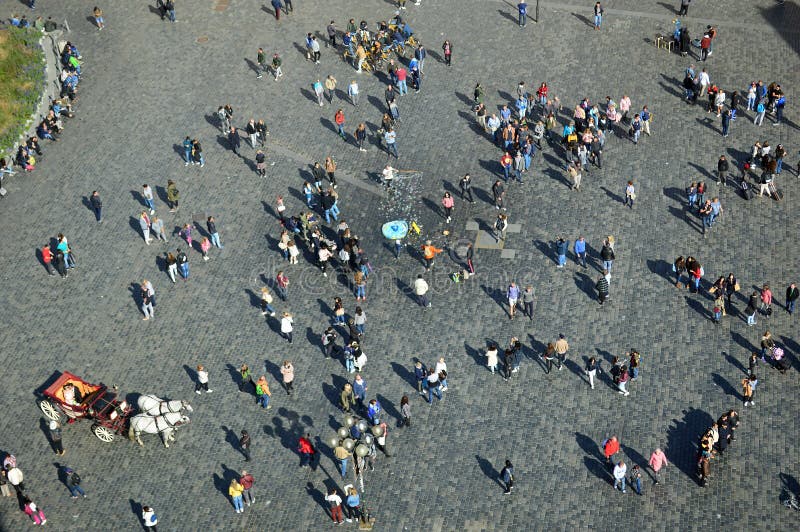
(402, 87)
(766, 300)
(658, 460)
(624, 107)
(205, 245)
(448, 203)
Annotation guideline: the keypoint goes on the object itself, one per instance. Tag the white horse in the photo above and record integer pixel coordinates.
(153, 405)
(164, 425)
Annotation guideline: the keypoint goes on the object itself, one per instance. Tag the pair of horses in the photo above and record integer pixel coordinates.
(158, 416)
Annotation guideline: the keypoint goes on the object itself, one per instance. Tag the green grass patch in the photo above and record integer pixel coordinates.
(21, 83)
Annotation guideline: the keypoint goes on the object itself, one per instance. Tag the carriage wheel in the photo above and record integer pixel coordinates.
(103, 433)
(49, 410)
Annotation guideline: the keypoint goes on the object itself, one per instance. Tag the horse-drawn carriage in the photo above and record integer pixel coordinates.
(78, 399)
(75, 398)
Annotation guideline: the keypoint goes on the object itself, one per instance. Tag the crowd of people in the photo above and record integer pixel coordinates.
(337, 248)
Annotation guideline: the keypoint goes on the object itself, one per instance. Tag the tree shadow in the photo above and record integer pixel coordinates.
(488, 469)
(682, 438)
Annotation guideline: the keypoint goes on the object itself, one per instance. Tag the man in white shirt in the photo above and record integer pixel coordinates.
(421, 290)
(619, 475)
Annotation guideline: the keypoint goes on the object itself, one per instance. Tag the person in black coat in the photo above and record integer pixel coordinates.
(234, 140)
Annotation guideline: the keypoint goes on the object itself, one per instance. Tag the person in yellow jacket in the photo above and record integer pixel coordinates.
(235, 490)
(262, 392)
(429, 252)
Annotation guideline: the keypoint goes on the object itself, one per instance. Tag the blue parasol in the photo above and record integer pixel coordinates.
(395, 230)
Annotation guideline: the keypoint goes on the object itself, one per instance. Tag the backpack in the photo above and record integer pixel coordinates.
(760, 108)
(75, 478)
(572, 139)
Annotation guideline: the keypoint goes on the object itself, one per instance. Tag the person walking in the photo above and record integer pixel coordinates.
(602, 287)
(429, 252)
(262, 392)
(234, 140)
(147, 304)
(247, 481)
(636, 479)
(183, 264)
(276, 64)
(420, 374)
(246, 378)
(448, 203)
(73, 480)
(421, 290)
(598, 15)
(149, 519)
(287, 371)
(610, 448)
(97, 205)
(562, 347)
(522, 8)
(620, 470)
(157, 229)
(287, 326)
(792, 293)
(747, 389)
(282, 285)
(447, 49)
(433, 386)
(339, 119)
(507, 474)
(244, 445)
(56, 437)
(266, 302)
(658, 461)
(144, 225)
(235, 490)
(630, 194)
(562, 246)
(211, 225)
(335, 502)
(512, 294)
(147, 195)
(405, 411)
(172, 265)
(591, 370)
(202, 380)
(172, 195)
(306, 450)
(528, 301)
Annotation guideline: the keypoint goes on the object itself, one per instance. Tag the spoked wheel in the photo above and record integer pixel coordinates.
(49, 410)
(103, 433)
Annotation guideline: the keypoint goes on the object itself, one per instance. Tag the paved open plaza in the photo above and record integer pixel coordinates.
(148, 83)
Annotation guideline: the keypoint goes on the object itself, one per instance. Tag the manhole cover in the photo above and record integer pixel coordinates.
(202, 39)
